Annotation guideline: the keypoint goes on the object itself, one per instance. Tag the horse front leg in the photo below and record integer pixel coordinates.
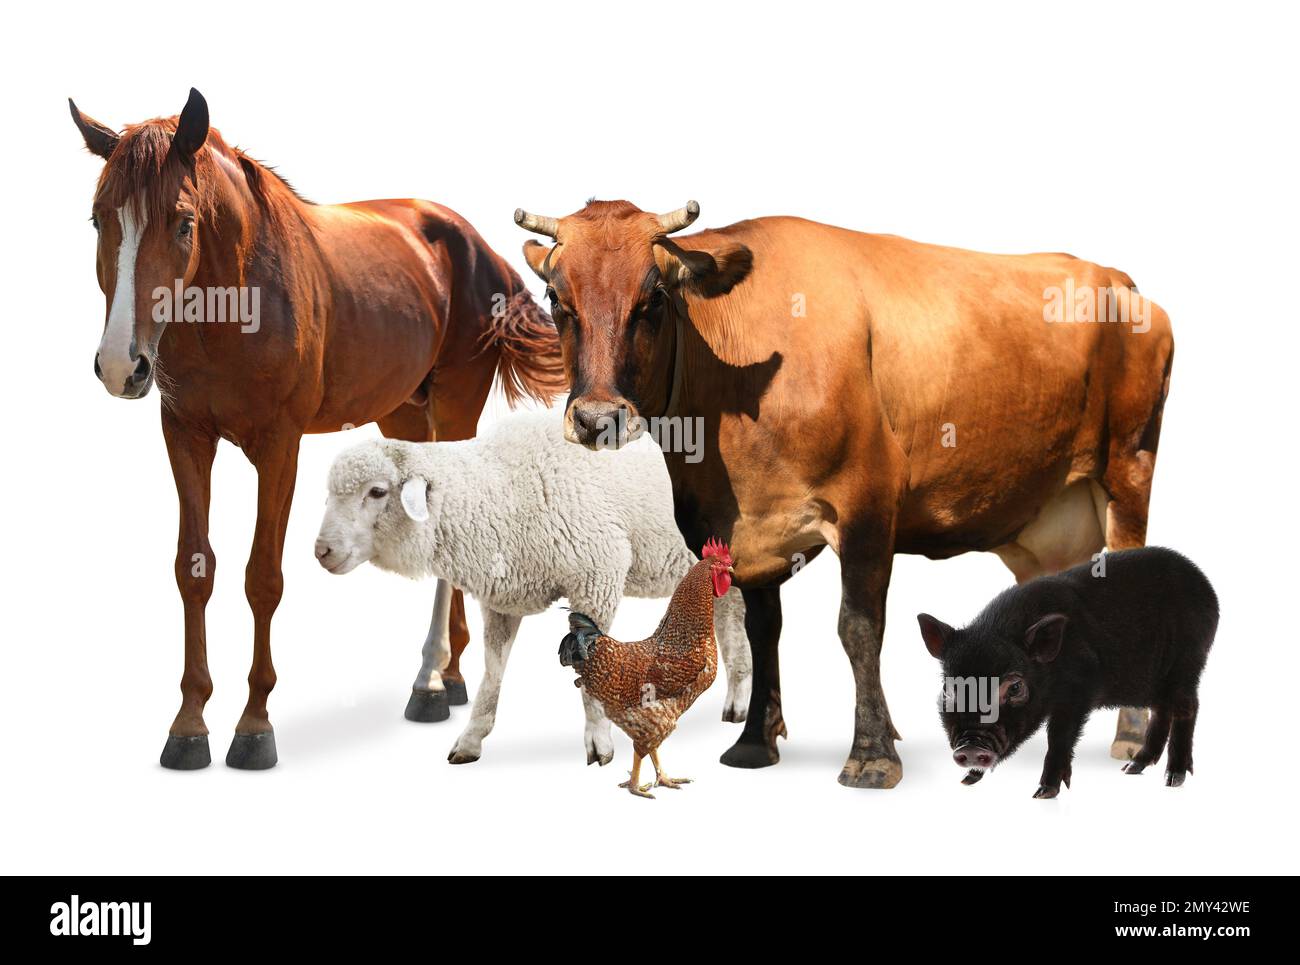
(276, 459)
(429, 698)
(756, 746)
(191, 453)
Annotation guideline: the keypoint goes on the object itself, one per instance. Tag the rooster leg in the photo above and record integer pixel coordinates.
(633, 783)
(662, 780)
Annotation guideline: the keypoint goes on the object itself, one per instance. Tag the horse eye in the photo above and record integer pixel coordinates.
(186, 226)
(377, 492)
(94, 222)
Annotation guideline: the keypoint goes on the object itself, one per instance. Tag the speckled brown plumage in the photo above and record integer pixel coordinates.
(647, 685)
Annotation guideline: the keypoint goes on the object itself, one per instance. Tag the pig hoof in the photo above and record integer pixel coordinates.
(877, 774)
(974, 777)
(1175, 778)
(1044, 792)
(1133, 767)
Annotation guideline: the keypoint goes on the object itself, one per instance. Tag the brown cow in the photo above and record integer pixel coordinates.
(867, 393)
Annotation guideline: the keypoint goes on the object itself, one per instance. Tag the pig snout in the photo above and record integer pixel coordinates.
(969, 755)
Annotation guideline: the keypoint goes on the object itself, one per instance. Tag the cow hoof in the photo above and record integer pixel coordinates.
(457, 695)
(1175, 778)
(461, 757)
(877, 774)
(186, 753)
(749, 755)
(1125, 749)
(428, 706)
(252, 752)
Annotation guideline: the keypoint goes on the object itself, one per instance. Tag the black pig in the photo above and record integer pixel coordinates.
(1058, 647)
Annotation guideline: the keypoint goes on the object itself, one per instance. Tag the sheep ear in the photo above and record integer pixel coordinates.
(415, 499)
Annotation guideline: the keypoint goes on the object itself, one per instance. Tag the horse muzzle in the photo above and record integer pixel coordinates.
(131, 379)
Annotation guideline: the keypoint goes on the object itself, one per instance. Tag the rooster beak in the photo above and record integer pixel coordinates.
(731, 570)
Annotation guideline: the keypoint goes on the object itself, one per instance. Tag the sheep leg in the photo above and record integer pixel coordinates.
(729, 627)
(596, 735)
(276, 459)
(429, 699)
(499, 631)
(191, 456)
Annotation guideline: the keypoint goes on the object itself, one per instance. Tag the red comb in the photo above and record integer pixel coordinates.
(716, 549)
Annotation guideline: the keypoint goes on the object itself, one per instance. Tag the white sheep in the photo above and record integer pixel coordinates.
(520, 518)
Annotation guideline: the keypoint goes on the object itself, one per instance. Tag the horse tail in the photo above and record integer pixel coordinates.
(529, 363)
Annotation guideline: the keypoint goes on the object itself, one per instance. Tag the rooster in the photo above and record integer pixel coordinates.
(645, 686)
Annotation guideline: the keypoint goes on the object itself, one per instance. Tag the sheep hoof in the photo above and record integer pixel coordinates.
(428, 706)
(252, 752)
(186, 753)
(461, 757)
(456, 692)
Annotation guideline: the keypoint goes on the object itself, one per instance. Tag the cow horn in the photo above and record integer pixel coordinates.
(679, 219)
(539, 223)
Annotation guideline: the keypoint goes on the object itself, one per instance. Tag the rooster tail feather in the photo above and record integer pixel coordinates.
(577, 643)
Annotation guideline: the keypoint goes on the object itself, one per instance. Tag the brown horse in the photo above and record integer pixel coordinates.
(867, 393)
(394, 312)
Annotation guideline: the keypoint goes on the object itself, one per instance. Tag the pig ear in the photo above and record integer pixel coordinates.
(935, 633)
(415, 498)
(1043, 639)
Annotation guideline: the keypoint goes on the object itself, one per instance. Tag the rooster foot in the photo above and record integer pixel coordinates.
(672, 783)
(640, 790)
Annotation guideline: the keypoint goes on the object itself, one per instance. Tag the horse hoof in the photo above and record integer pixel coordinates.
(877, 774)
(252, 752)
(428, 706)
(749, 756)
(186, 753)
(456, 692)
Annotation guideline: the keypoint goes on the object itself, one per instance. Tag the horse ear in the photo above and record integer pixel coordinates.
(535, 254)
(100, 140)
(935, 633)
(415, 499)
(192, 128)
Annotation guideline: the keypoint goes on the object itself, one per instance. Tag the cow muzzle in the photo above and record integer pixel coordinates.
(601, 424)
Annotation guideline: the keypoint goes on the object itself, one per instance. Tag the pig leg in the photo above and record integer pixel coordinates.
(1180, 744)
(1063, 729)
(1154, 744)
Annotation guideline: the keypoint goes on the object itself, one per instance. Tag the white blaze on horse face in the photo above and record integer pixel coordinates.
(115, 361)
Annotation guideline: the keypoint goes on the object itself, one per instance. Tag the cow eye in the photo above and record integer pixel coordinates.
(377, 492)
(552, 298)
(657, 298)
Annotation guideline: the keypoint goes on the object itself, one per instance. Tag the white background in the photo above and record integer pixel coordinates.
(1155, 138)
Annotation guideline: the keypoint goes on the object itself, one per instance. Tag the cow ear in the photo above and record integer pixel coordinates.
(100, 140)
(192, 128)
(536, 253)
(935, 633)
(1043, 639)
(709, 274)
(415, 499)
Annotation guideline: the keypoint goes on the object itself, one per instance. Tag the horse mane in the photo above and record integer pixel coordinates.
(141, 172)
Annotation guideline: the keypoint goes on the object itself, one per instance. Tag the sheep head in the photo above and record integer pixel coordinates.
(378, 491)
